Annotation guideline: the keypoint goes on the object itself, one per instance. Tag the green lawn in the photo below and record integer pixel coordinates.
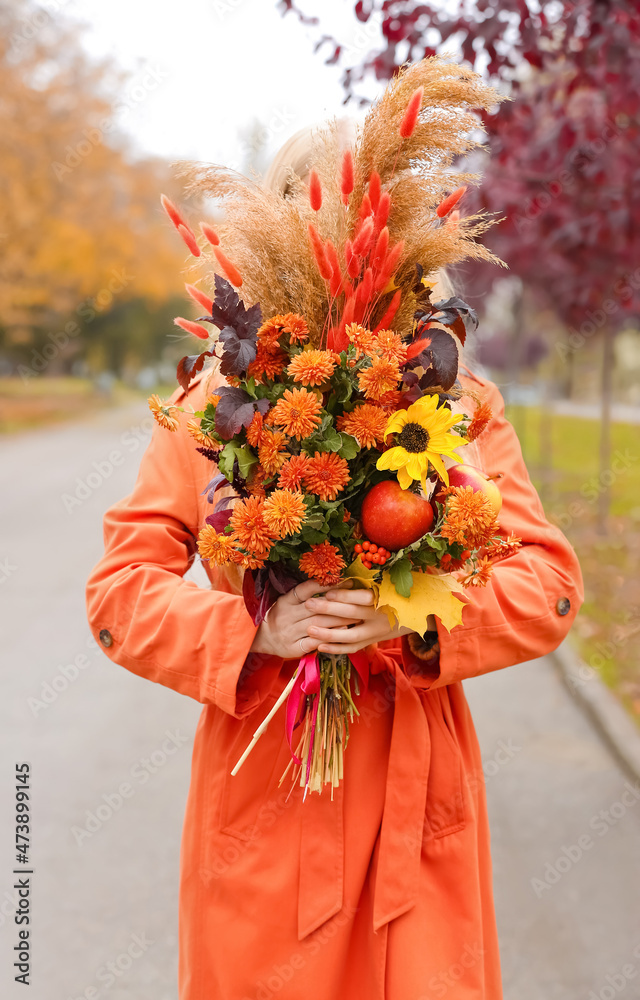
(562, 455)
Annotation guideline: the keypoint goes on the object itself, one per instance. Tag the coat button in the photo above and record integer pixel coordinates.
(105, 637)
(563, 606)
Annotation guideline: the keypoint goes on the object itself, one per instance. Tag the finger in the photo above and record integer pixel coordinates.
(341, 635)
(305, 644)
(302, 592)
(319, 605)
(359, 596)
(342, 649)
(328, 622)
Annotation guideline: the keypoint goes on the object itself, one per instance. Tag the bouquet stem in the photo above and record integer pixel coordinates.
(326, 727)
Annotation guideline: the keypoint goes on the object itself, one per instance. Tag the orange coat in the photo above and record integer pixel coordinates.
(384, 893)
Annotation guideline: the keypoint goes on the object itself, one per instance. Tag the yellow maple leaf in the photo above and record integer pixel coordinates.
(430, 595)
(362, 577)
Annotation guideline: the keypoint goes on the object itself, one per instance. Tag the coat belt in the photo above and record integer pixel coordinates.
(321, 886)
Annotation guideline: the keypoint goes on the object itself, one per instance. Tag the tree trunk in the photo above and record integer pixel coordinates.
(605, 429)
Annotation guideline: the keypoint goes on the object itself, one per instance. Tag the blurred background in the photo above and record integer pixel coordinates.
(97, 101)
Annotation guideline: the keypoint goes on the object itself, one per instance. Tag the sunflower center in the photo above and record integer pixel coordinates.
(413, 438)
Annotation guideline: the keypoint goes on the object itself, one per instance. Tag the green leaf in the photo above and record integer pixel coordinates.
(350, 447)
(229, 454)
(315, 521)
(401, 577)
(312, 536)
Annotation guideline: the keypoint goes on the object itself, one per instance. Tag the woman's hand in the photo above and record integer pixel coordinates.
(287, 629)
(347, 605)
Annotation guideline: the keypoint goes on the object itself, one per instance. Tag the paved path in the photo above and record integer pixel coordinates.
(86, 733)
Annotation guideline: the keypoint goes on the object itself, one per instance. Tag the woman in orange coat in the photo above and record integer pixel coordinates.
(384, 893)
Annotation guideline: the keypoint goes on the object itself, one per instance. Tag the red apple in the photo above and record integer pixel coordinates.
(469, 475)
(393, 517)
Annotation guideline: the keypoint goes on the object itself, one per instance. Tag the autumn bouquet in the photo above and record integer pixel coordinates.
(337, 426)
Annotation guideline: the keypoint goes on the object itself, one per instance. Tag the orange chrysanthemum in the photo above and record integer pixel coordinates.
(389, 345)
(324, 564)
(249, 561)
(506, 547)
(212, 399)
(312, 367)
(360, 337)
(254, 430)
(217, 548)
(255, 486)
(327, 474)
(366, 423)
(296, 326)
(250, 528)
(291, 325)
(479, 421)
(285, 512)
(382, 377)
(480, 576)
(269, 362)
(196, 432)
(298, 412)
(470, 518)
(271, 451)
(163, 413)
(293, 472)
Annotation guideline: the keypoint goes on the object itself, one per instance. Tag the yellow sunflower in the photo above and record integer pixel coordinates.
(421, 438)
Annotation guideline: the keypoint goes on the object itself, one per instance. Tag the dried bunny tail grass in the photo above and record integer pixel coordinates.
(266, 236)
(265, 232)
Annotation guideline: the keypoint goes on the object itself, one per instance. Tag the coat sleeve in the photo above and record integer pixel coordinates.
(142, 612)
(527, 608)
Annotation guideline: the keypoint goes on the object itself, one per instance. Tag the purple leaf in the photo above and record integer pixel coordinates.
(214, 485)
(235, 410)
(258, 594)
(439, 358)
(189, 366)
(219, 519)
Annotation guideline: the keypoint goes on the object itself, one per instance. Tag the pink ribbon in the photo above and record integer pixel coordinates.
(308, 682)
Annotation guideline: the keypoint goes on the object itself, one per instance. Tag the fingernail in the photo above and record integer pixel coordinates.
(310, 604)
(312, 630)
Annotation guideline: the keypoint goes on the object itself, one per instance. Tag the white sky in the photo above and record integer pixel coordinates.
(218, 66)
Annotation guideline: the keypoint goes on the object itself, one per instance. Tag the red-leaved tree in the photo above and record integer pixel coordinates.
(564, 166)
